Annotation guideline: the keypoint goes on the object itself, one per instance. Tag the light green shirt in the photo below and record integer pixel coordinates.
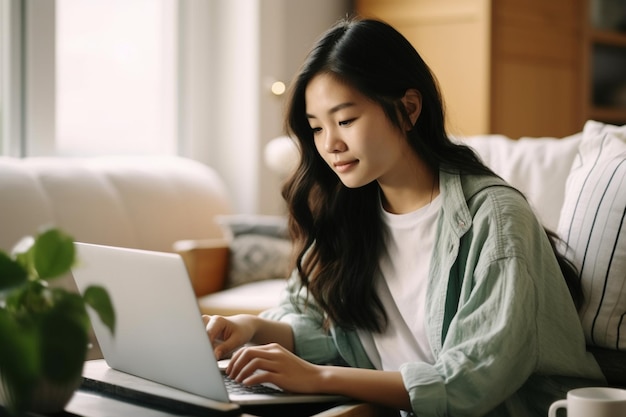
(504, 331)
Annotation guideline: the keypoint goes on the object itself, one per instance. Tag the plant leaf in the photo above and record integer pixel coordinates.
(22, 253)
(53, 253)
(32, 297)
(11, 273)
(98, 298)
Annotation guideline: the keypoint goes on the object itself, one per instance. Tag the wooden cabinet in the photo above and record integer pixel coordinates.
(518, 68)
(536, 83)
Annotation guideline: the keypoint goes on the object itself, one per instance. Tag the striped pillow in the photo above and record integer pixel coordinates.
(592, 225)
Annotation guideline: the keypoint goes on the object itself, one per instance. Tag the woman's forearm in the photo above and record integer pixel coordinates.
(270, 331)
(381, 387)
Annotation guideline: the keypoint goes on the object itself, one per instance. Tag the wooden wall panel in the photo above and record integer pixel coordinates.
(534, 100)
(536, 86)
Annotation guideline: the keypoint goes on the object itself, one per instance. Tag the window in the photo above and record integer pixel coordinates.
(88, 77)
(116, 76)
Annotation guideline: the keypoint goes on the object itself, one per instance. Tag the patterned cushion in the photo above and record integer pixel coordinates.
(259, 248)
(592, 225)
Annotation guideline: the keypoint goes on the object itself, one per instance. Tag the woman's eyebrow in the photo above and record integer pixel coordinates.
(334, 109)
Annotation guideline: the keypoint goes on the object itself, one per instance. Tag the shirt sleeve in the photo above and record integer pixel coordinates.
(312, 341)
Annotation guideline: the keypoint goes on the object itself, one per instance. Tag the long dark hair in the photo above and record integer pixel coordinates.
(337, 231)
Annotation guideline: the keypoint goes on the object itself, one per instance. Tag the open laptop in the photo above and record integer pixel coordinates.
(159, 333)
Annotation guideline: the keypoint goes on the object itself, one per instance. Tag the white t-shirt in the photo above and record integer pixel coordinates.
(402, 289)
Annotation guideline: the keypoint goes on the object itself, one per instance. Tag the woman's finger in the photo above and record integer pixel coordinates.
(214, 327)
(247, 361)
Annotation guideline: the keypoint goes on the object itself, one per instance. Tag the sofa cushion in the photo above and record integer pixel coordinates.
(591, 224)
(251, 298)
(538, 167)
(259, 248)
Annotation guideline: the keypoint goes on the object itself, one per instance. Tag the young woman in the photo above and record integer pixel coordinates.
(419, 271)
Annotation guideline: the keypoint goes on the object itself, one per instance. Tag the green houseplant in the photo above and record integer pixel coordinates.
(45, 329)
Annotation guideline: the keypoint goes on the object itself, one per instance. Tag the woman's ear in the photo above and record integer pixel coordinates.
(412, 102)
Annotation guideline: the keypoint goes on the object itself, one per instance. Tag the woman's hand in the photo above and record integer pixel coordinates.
(275, 365)
(272, 363)
(228, 334)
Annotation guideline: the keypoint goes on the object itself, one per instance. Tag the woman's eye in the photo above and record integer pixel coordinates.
(346, 122)
(316, 130)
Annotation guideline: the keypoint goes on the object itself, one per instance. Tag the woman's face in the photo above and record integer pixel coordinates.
(353, 134)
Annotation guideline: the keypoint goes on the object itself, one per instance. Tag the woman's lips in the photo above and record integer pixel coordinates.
(343, 166)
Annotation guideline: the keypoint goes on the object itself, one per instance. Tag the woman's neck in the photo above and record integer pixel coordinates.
(413, 186)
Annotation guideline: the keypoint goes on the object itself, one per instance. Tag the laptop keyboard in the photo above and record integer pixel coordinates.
(235, 387)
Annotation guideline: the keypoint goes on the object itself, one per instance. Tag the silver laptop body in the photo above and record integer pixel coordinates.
(159, 331)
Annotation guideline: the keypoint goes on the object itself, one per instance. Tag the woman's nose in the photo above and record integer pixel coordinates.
(333, 142)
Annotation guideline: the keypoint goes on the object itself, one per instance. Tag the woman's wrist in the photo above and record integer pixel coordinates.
(270, 331)
(326, 381)
(382, 387)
